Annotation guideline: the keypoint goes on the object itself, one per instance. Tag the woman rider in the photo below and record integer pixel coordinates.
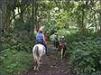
(40, 38)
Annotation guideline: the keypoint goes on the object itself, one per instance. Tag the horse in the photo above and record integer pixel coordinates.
(38, 52)
(62, 48)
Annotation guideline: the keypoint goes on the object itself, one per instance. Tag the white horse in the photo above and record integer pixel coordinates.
(38, 52)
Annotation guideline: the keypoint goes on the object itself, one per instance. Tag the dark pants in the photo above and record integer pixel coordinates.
(42, 44)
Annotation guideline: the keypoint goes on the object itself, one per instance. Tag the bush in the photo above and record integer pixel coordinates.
(14, 62)
(20, 41)
(85, 53)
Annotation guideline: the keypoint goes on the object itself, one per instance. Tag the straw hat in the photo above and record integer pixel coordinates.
(41, 28)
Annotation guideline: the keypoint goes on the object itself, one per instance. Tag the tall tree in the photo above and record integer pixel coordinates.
(34, 13)
(100, 17)
(2, 20)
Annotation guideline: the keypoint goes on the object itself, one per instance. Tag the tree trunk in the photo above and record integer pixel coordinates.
(100, 22)
(1, 27)
(100, 18)
(80, 18)
(21, 13)
(4, 7)
(82, 21)
(34, 13)
(2, 20)
(7, 20)
(82, 26)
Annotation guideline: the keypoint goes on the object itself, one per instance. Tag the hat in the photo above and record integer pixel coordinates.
(41, 28)
(62, 37)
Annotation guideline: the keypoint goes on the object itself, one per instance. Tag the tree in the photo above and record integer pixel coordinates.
(34, 13)
(100, 18)
(2, 20)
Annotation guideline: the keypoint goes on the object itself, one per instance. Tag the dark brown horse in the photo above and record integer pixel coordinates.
(62, 49)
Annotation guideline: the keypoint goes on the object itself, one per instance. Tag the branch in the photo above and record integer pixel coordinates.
(14, 17)
(18, 13)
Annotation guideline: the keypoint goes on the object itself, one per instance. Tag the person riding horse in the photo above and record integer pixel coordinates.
(40, 38)
(56, 41)
(62, 44)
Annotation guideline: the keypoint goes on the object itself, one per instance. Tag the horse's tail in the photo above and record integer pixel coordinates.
(36, 51)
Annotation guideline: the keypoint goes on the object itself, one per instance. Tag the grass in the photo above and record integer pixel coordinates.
(14, 62)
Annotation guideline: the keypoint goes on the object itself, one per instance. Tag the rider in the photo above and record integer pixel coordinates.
(56, 40)
(63, 44)
(40, 38)
(63, 41)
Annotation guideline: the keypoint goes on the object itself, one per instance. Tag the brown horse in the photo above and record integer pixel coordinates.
(62, 48)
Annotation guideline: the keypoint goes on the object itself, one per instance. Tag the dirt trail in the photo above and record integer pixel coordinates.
(52, 65)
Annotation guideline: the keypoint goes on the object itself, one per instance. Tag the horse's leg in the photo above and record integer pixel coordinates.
(61, 53)
(35, 64)
(64, 51)
(54, 43)
(38, 63)
(40, 60)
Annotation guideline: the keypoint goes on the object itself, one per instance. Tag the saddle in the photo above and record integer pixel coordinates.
(61, 45)
(40, 43)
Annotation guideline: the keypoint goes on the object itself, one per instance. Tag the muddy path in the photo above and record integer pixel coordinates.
(52, 65)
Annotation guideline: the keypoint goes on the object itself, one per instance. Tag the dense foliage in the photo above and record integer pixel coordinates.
(85, 54)
(14, 62)
(78, 20)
